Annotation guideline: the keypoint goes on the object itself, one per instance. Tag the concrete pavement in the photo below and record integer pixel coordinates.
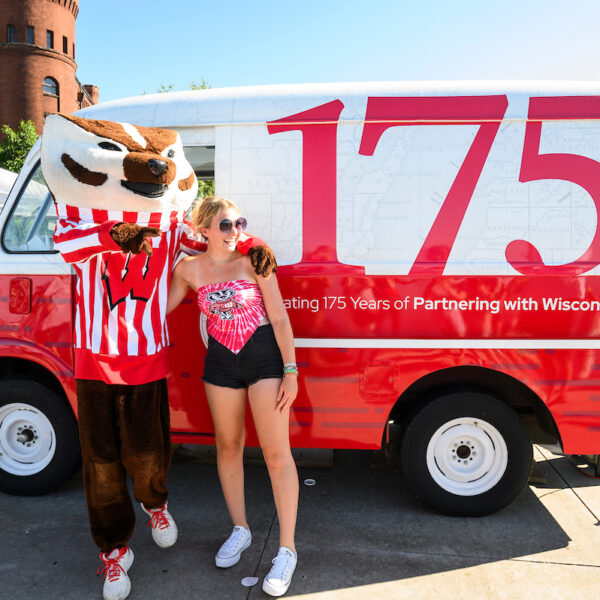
(360, 536)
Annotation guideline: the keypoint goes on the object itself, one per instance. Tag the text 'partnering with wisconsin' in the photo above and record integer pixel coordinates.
(421, 303)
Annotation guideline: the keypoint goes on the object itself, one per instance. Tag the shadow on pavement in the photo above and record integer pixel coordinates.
(364, 525)
(357, 525)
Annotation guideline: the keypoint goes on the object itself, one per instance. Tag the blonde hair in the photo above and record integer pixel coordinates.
(208, 208)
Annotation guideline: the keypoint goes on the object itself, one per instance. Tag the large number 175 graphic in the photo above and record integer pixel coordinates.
(319, 128)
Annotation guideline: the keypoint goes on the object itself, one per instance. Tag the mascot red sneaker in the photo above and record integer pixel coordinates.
(121, 193)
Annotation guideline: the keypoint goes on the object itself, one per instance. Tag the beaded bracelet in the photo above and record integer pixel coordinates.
(290, 370)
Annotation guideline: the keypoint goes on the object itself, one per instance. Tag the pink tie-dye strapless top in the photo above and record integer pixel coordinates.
(234, 310)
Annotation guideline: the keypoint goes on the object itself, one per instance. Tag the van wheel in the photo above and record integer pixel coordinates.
(39, 446)
(466, 453)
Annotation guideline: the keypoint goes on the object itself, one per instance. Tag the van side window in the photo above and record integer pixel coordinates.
(202, 159)
(31, 223)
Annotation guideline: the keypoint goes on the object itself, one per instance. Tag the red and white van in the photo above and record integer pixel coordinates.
(439, 251)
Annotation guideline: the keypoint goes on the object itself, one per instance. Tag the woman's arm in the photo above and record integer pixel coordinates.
(179, 286)
(283, 334)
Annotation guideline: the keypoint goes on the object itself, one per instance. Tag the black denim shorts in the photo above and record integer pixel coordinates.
(260, 358)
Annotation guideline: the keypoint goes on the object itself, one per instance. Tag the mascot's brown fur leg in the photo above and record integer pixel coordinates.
(122, 428)
(109, 507)
(146, 441)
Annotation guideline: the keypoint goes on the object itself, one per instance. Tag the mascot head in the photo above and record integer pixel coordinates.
(116, 166)
(220, 295)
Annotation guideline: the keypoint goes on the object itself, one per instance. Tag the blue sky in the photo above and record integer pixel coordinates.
(127, 47)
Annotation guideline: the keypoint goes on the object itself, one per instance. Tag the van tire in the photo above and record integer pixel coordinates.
(39, 444)
(466, 454)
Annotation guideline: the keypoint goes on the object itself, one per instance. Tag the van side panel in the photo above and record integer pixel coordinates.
(452, 216)
(346, 394)
(190, 415)
(36, 323)
(456, 307)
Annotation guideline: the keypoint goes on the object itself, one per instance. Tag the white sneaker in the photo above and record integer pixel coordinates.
(164, 529)
(117, 584)
(278, 580)
(230, 552)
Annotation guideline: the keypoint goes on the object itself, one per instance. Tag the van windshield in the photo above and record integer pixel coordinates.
(31, 224)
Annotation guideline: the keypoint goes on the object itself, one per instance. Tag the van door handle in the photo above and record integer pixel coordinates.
(19, 296)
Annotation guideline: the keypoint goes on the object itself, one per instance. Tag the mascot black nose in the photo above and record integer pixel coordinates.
(157, 167)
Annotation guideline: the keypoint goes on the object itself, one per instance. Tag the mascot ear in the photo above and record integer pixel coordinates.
(53, 120)
(52, 134)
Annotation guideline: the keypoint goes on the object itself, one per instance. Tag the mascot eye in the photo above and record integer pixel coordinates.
(170, 153)
(109, 146)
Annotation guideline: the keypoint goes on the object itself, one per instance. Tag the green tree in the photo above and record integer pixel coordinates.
(16, 145)
(164, 89)
(206, 187)
(203, 85)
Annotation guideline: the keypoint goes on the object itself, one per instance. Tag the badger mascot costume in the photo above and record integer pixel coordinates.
(121, 193)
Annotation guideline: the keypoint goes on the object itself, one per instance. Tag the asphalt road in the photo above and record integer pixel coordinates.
(360, 536)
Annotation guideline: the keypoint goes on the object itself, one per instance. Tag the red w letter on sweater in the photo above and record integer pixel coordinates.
(132, 275)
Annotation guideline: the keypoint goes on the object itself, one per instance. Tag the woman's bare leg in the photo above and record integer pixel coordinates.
(228, 408)
(273, 429)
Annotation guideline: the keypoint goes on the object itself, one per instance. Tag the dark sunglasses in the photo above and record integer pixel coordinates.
(226, 225)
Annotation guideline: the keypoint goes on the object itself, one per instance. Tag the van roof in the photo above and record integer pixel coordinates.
(255, 104)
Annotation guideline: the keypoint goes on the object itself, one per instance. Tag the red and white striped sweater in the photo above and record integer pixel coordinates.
(120, 327)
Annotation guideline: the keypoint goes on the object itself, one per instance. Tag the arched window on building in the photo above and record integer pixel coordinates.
(50, 86)
(51, 95)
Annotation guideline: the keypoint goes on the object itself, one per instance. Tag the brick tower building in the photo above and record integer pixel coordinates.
(37, 61)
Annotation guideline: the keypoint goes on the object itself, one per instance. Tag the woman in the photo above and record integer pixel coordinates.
(250, 351)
